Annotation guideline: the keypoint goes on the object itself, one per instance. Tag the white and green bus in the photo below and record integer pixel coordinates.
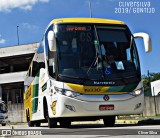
(84, 69)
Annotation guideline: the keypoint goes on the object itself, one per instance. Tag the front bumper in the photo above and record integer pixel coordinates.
(70, 107)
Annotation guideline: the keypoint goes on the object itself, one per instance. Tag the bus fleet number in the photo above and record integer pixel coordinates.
(92, 90)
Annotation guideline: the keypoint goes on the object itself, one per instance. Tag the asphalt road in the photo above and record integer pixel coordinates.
(84, 131)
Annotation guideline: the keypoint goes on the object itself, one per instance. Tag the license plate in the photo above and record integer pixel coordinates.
(106, 107)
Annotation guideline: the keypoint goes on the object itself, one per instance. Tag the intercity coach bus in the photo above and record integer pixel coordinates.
(84, 69)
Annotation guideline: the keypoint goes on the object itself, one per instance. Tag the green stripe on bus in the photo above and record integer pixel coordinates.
(123, 88)
(35, 94)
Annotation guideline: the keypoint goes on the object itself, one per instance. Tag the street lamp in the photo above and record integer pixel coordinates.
(17, 35)
(90, 8)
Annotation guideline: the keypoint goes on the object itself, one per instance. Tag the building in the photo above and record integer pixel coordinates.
(14, 63)
(155, 88)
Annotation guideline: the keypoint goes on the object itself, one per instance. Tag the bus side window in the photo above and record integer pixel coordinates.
(41, 65)
(35, 68)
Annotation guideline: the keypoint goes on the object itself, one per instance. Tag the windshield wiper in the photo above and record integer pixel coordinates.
(82, 80)
(98, 54)
(95, 61)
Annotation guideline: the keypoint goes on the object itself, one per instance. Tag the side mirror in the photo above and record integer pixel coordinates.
(146, 39)
(51, 41)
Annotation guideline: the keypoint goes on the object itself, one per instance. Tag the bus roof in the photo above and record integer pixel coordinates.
(86, 20)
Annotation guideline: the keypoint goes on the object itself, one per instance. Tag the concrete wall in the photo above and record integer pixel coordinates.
(12, 77)
(152, 106)
(16, 113)
(18, 50)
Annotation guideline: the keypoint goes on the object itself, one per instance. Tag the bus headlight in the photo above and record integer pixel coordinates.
(68, 93)
(136, 92)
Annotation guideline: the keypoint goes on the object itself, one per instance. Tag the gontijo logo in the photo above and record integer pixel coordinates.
(106, 97)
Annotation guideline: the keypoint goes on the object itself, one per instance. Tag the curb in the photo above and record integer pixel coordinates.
(93, 122)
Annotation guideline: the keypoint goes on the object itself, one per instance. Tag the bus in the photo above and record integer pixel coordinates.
(84, 69)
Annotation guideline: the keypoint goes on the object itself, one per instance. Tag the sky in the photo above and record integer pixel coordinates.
(33, 16)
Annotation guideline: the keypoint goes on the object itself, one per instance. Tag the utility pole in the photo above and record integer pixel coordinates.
(17, 35)
(149, 79)
(90, 8)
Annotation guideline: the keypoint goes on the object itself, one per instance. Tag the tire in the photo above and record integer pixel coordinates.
(3, 124)
(37, 124)
(65, 123)
(30, 123)
(109, 121)
(52, 123)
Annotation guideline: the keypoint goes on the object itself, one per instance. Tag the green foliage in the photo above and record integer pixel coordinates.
(146, 79)
(155, 76)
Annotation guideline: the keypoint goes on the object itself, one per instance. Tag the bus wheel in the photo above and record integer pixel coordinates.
(109, 121)
(65, 123)
(37, 124)
(3, 124)
(52, 123)
(30, 123)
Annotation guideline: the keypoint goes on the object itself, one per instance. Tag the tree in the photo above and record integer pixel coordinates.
(154, 76)
(147, 79)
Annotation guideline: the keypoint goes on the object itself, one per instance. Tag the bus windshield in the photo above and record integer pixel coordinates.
(96, 52)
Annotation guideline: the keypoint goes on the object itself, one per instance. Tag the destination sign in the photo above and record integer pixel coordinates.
(77, 28)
